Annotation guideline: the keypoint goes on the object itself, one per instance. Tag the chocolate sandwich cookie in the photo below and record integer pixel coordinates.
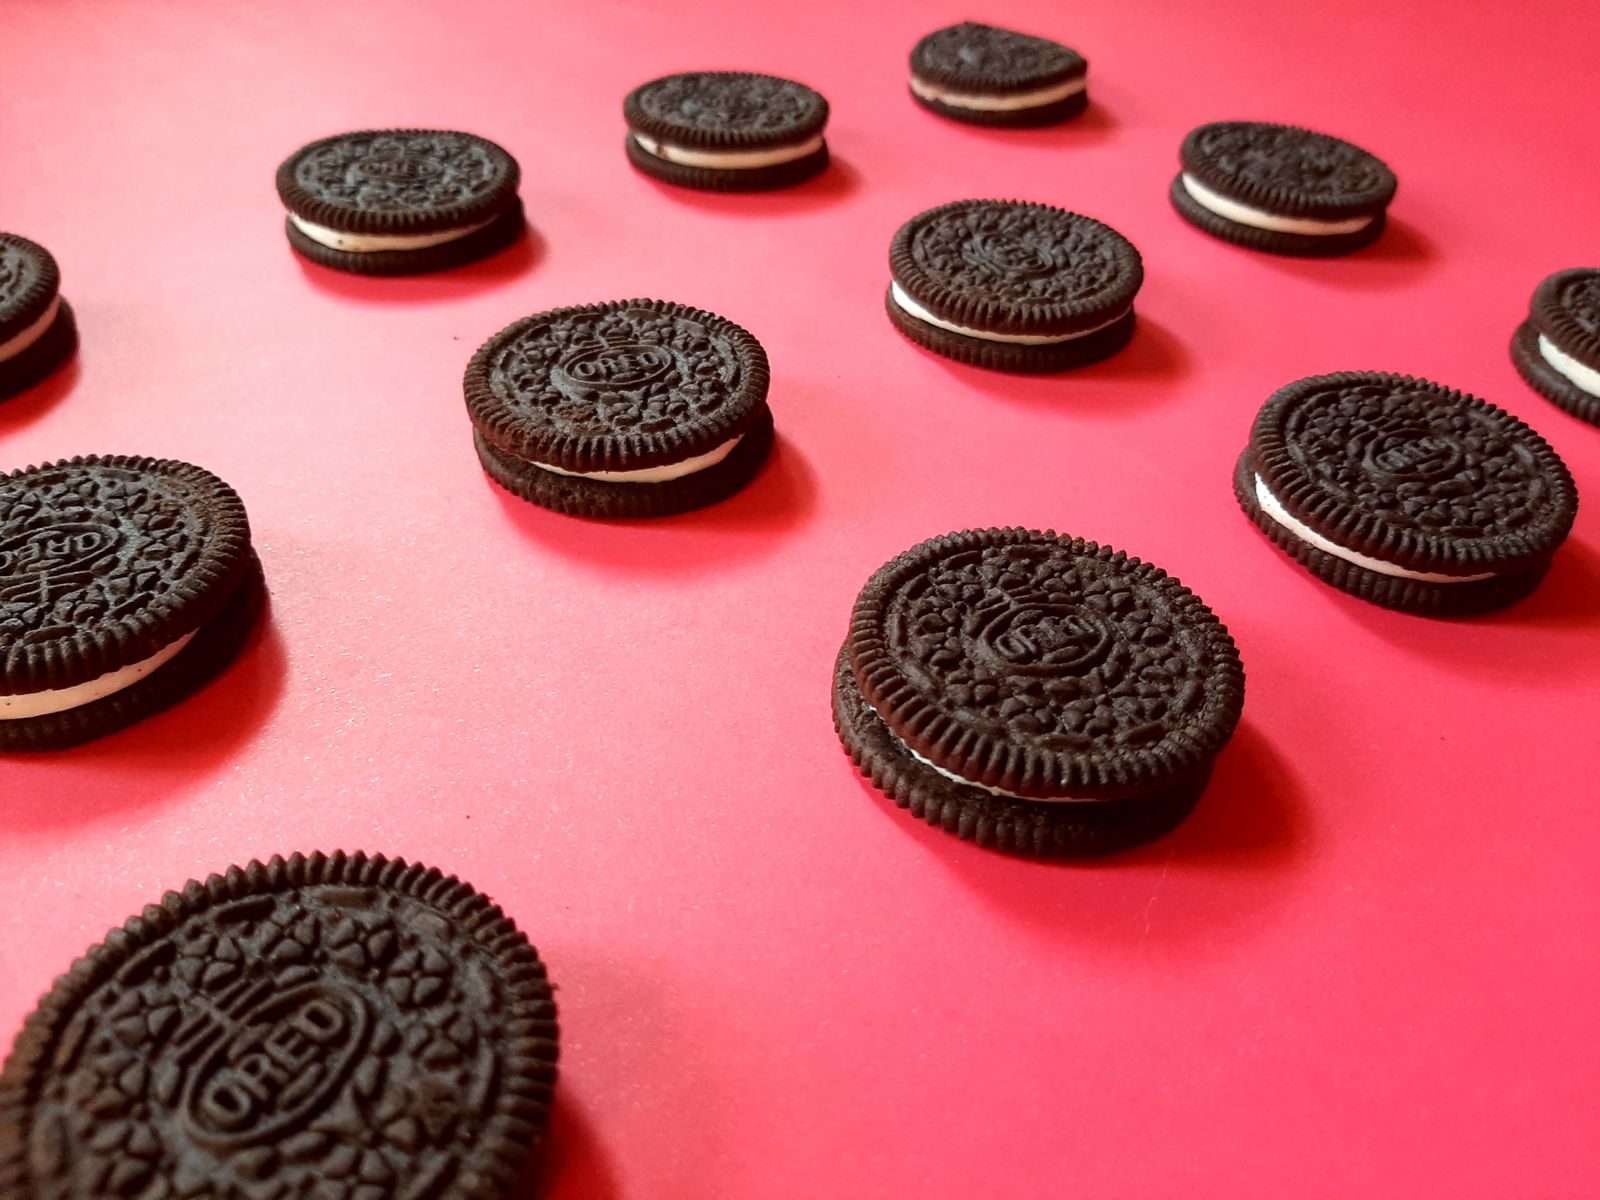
(344, 1027)
(988, 76)
(1281, 189)
(1039, 694)
(1557, 349)
(37, 330)
(1404, 492)
(633, 408)
(726, 131)
(125, 584)
(400, 201)
(1013, 286)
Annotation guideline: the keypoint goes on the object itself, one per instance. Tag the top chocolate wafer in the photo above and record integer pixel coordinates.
(726, 130)
(985, 75)
(1282, 189)
(400, 201)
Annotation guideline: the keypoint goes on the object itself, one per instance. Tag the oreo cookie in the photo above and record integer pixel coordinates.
(37, 330)
(125, 584)
(346, 1027)
(984, 75)
(1036, 693)
(1557, 349)
(1281, 189)
(632, 408)
(1013, 286)
(400, 201)
(726, 131)
(1405, 492)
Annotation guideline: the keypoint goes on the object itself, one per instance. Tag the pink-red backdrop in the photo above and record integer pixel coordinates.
(1366, 966)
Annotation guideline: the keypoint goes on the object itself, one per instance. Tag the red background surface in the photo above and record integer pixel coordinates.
(1366, 966)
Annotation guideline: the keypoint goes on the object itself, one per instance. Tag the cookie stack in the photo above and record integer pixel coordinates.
(1557, 349)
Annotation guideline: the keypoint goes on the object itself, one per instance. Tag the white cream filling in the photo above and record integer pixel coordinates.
(982, 787)
(1018, 100)
(905, 302)
(726, 160)
(1584, 378)
(367, 243)
(1243, 214)
(54, 700)
(1270, 506)
(16, 345)
(662, 474)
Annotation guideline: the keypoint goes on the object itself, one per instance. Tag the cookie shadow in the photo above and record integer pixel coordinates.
(838, 182)
(1499, 644)
(26, 407)
(499, 269)
(1154, 354)
(1399, 257)
(753, 522)
(1564, 600)
(1217, 874)
(1095, 125)
(615, 1010)
(1251, 815)
(573, 1162)
(142, 764)
(1118, 384)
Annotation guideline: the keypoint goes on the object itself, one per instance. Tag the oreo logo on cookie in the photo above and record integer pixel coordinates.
(55, 550)
(1042, 638)
(1413, 454)
(616, 367)
(396, 167)
(1008, 255)
(280, 1065)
